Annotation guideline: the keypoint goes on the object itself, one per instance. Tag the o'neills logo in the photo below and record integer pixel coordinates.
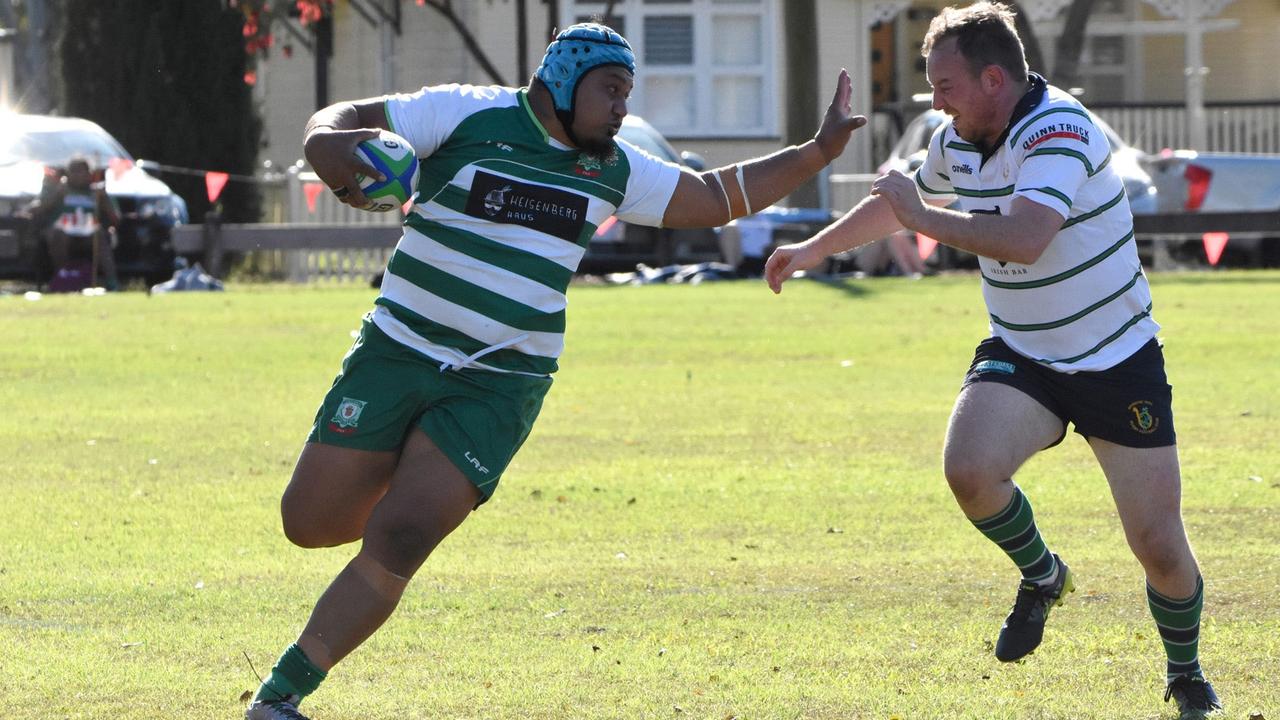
(554, 211)
(1059, 131)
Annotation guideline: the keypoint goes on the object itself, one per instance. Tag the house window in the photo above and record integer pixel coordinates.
(705, 67)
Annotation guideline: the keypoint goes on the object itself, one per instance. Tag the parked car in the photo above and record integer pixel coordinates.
(910, 150)
(30, 145)
(1220, 182)
(618, 246)
(1191, 181)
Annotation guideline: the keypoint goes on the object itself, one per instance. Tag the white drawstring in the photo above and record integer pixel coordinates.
(471, 359)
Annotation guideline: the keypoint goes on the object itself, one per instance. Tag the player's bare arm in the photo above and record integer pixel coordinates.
(1019, 237)
(717, 196)
(868, 221)
(329, 143)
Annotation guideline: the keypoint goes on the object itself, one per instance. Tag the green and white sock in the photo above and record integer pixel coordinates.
(1179, 624)
(1014, 530)
(293, 674)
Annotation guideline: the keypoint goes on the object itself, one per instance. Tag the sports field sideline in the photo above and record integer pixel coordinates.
(732, 507)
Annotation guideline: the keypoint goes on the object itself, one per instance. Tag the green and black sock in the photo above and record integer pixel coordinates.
(1014, 530)
(1179, 624)
(294, 674)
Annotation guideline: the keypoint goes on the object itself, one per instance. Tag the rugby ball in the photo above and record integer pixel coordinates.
(392, 156)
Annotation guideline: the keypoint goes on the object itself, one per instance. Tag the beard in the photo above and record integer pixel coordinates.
(598, 147)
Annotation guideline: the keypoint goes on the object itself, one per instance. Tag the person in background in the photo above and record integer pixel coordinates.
(893, 255)
(75, 214)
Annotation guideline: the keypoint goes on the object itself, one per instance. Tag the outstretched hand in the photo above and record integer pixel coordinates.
(839, 122)
(787, 260)
(331, 154)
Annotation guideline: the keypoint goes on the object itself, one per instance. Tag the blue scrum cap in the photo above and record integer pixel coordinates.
(576, 50)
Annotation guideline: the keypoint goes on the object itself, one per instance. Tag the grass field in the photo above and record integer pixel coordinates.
(732, 507)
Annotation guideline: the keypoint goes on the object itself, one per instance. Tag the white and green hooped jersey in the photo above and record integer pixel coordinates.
(502, 216)
(1085, 304)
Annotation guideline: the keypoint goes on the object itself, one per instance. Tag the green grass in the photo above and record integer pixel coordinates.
(732, 506)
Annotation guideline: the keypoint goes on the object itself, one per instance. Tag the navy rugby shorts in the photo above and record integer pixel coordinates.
(1129, 404)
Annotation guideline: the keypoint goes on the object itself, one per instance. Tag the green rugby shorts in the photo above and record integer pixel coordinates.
(478, 418)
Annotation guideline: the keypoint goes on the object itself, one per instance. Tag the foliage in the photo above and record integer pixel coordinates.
(167, 80)
(731, 507)
(258, 18)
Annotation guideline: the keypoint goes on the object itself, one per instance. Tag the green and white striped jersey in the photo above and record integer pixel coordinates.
(501, 218)
(1085, 303)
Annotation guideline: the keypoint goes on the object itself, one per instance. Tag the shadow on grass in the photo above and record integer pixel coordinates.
(847, 285)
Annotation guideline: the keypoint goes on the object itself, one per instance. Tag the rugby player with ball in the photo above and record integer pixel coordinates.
(448, 373)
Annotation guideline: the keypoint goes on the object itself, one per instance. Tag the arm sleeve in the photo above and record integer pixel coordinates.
(1057, 157)
(427, 117)
(932, 178)
(650, 187)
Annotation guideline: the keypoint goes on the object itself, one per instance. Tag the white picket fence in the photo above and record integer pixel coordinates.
(297, 196)
(1243, 128)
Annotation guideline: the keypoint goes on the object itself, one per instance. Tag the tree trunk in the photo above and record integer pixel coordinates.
(553, 19)
(1070, 45)
(800, 26)
(522, 41)
(1030, 43)
(445, 8)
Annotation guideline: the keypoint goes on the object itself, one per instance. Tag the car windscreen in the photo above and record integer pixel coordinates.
(917, 135)
(56, 147)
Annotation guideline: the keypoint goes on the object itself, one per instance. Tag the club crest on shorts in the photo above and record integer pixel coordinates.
(1143, 421)
(347, 415)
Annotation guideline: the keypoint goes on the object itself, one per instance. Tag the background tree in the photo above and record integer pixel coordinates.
(1070, 45)
(167, 79)
(1067, 48)
(450, 13)
(800, 24)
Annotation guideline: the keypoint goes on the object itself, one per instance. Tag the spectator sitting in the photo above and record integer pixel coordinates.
(72, 206)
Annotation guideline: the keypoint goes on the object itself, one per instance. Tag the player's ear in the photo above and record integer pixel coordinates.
(993, 77)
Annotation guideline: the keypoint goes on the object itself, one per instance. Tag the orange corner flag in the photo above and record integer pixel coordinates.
(925, 245)
(312, 191)
(214, 182)
(1214, 244)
